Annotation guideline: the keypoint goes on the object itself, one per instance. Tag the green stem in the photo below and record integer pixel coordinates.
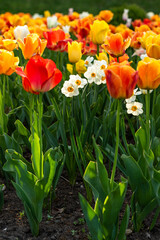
(98, 50)
(148, 119)
(40, 115)
(117, 144)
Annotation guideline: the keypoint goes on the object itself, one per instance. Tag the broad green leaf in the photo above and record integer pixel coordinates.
(112, 207)
(91, 219)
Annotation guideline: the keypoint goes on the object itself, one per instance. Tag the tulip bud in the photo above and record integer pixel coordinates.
(74, 51)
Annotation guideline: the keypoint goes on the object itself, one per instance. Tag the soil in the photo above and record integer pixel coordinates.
(65, 222)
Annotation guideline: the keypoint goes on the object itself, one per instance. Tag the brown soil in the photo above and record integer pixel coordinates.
(65, 222)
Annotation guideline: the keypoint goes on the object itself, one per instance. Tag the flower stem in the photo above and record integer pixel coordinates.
(98, 50)
(117, 144)
(40, 115)
(147, 119)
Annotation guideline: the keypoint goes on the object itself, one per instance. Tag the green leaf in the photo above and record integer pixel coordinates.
(91, 219)
(8, 142)
(112, 206)
(124, 224)
(90, 176)
(21, 128)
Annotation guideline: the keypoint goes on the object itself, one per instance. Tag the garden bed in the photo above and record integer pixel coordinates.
(65, 222)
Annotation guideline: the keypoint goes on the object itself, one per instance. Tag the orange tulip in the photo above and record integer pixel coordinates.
(149, 73)
(8, 62)
(32, 45)
(121, 79)
(106, 15)
(115, 45)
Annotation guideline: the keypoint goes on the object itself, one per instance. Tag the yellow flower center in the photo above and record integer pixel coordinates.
(78, 82)
(70, 89)
(134, 108)
(103, 67)
(93, 75)
(103, 78)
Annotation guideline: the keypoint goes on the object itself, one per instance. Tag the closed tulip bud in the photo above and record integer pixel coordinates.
(74, 51)
(149, 73)
(121, 80)
(98, 31)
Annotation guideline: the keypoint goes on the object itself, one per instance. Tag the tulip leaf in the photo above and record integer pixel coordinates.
(124, 224)
(21, 128)
(91, 219)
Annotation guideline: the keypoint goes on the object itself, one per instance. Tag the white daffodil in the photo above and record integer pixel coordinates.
(77, 80)
(133, 97)
(69, 89)
(144, 91)
(134, 108)
(88, 61)
(20, 32)
(92, 74)
(100, 65)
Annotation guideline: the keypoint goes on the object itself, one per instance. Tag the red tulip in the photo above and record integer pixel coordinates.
(40, 75)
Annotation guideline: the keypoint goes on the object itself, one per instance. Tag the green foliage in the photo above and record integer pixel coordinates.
(102, 220)
(135, 12)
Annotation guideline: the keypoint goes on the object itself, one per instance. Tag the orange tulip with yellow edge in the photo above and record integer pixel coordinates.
(149, 73)
(74, 51)
(8, 62)
(121, 80)
(115, 45)
(32, 45)
(99, 31)
(106, 15)
(146, 38)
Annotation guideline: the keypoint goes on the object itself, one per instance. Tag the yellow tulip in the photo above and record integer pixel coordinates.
(102, 56)
(149, 73)
(8, 62)
(98, 31)
(74, 51)
(153, 46)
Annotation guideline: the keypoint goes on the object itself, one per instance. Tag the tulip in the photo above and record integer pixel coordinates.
(153, 46)
(74, 51)
(40, 75)
(149, 73)
(121, 80)
(115, 45)
(8, 62)
(98, 31)
(106, 15)
(32, 45)
(20, 32)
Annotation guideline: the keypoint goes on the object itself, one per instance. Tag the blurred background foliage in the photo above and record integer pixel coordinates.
(92, 6)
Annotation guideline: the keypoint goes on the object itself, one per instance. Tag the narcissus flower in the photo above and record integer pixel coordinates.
(74, 51)
(40, 75)
(149, 73)
(98, 31)
(134, 108)
(121, 80)
(32, 45)
(8, 62)
(69, 89)
(115, 45)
